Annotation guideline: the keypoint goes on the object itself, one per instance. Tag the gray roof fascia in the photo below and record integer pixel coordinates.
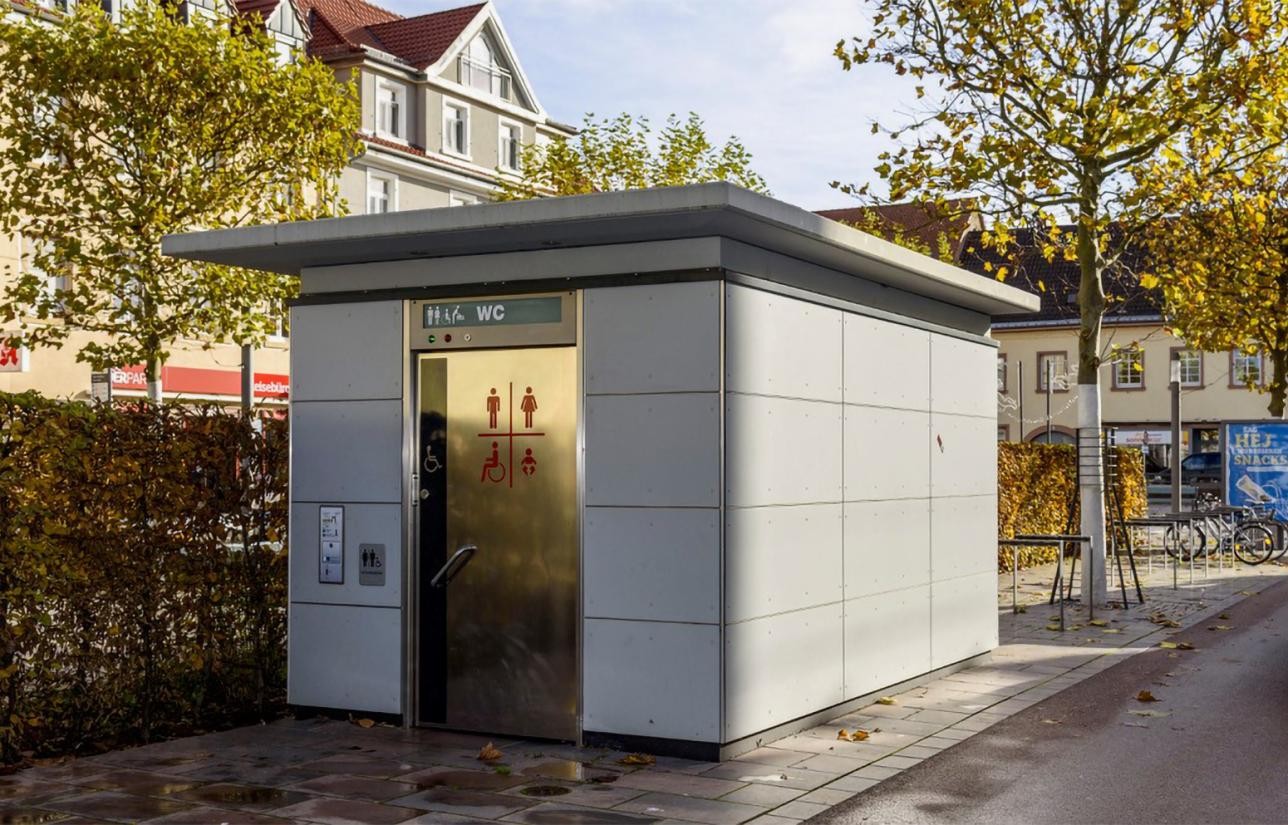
(712, 209)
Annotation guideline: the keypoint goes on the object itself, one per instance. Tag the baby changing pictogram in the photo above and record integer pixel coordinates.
(498, 458)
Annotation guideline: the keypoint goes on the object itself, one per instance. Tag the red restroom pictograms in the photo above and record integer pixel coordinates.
(498, 467)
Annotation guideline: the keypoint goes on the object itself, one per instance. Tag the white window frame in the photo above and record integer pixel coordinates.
(1239, 356)
(504, 125)
(455, 198)
(398, 93)
(391, 196)
(1125, 377)
(1197, 356)
(450, 104)
(50, 283)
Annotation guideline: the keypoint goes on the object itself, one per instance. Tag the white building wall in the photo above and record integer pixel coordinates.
(651, 539)
(345, 640)
(860, 506)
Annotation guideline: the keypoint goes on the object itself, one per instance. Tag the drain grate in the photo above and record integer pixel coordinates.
(544, 790)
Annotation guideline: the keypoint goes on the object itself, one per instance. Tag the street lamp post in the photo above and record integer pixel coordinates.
(1175, 387)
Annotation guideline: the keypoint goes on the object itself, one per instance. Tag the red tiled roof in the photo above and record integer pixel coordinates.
(263, 8)
(344, 26)
(422, 40)
(920, 221)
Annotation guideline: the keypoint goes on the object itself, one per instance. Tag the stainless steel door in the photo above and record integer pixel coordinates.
(498, 473)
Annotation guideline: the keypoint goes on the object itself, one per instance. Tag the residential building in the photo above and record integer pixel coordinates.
(1137, 353)
(446, 110)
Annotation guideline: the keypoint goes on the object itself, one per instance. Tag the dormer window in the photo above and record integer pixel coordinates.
(479, 70)
(391, 117)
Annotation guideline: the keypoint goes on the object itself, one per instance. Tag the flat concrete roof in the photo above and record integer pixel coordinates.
(702, 210)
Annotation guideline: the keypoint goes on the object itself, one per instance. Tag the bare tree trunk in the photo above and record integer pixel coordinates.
(1091, 305)
(153, 371)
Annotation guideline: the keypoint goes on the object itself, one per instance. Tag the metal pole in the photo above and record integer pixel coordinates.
(1019, 372)
(1175, 386)
(1049, 372)
(247, 378)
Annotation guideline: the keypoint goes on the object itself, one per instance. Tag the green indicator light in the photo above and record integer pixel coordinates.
(433, 338)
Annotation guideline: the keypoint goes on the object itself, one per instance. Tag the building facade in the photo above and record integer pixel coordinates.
(1137, 351)
(446, 110)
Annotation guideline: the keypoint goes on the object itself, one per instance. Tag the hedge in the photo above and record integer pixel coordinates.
(1036, 485)
(142, 573)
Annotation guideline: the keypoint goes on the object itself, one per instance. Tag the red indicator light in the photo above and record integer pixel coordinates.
(447, 339)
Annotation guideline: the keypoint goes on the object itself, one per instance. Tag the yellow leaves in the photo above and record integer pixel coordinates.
(365, 723)
(490, 753)
(887, 700)
(1146, 696)
(637, 759)
(858, 735)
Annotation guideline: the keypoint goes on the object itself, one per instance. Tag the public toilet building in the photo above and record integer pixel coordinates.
(673, 470)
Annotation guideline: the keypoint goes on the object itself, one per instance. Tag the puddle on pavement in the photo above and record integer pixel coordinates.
(573, 816)
(243, 795)
(28, 816)
(571, 771)
(544, 790)
(467, 780)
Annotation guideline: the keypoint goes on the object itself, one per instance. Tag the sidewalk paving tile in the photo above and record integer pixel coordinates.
(707, 811)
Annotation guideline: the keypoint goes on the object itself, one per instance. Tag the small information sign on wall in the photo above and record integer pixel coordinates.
(331, 544)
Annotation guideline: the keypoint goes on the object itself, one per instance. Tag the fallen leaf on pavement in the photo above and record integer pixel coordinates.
(1054, 627)
(365, 723)
(1184, 646)
(1150, 713)
(637, 759)
(842, 734)
(1051, 722)
(887, 700)
(489, 753)
(1111, 630)
(1146, 696)
(859, 736)
(1221, 627)
(1223, 616)
(1098, 623)
(1168, 645)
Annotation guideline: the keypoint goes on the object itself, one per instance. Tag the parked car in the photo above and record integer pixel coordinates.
(1200, 468)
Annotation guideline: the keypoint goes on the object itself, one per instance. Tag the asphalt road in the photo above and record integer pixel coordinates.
(1220, 754)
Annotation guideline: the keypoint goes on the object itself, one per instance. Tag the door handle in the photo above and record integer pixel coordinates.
(454, 565)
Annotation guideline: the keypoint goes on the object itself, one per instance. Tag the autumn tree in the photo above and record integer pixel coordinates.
(113, 135)
(1221, 260)
(1040, 110)
(623, 153)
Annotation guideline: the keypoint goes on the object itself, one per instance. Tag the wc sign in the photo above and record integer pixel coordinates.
(495, 313)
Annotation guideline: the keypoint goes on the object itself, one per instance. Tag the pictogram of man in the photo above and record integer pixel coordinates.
(493, 407)
(529, 406)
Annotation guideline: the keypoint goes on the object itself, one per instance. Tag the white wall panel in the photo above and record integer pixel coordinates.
(963, 618)
(652, 563)
(886, 454)
(346, 451)
(781, 451)
(655, 338)
(781, 667)
(886, 364)
(963, 377)
(963, 455)
(887, 546)
(781, 558)
(653, 450)
(964, 536)
(363, 523)
(347, 351)
(345, 657)
(887, 639)
(781, 346)
(652, 679)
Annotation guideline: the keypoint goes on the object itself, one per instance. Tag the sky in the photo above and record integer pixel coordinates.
(759, 69)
